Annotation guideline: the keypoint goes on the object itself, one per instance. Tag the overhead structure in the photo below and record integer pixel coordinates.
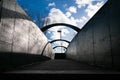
(59, 46)
(59, 40)
(60, 24)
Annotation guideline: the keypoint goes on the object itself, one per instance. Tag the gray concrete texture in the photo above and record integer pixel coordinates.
(98, 42)
(19, 34)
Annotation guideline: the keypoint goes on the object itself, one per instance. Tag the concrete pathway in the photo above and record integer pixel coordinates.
(61, 66)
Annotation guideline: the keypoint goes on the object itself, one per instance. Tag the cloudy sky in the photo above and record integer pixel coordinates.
(74, 12)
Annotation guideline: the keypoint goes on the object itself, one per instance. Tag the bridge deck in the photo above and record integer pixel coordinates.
(61, 66)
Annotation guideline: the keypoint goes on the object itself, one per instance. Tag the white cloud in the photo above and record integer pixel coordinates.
(68, 14)
(83, 19)
(55, 34)
(51, 4)
(81, 3)
(73, 20)
(65, 44)
(65, 5)
(72, 9)
(64, 32)
(92, 9)
(57, 16)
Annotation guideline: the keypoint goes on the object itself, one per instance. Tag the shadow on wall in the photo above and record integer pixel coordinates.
(98, 42)
(44, 48)
(13, 14)
(21, 41)
(9, 60)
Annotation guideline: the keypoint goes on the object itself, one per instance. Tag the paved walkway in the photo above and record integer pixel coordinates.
(61, 66)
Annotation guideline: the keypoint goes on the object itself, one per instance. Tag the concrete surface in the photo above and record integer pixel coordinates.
(9, 61)
(98, 42)
(21, 41)
(60, 66)
(18, 33)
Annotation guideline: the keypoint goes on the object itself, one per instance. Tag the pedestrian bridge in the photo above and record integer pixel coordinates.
(25, 49)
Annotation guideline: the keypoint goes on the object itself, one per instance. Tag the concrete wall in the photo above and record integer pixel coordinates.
(98, 43)
(19, 34)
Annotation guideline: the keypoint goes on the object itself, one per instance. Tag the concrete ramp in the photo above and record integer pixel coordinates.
(60, 66)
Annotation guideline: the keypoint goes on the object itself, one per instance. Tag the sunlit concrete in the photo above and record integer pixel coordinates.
(21, 41)
(19, 34)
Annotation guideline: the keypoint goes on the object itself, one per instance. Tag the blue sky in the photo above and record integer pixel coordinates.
(75, 12)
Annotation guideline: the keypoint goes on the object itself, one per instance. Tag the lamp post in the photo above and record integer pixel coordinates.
(60, 38)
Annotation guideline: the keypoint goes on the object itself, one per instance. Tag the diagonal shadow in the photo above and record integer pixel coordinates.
(6, 13)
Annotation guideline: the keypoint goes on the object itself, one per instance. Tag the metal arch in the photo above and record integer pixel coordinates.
(59, 46)
(59, 40)
(58, 24)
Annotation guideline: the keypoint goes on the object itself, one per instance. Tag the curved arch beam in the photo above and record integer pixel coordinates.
(60, 24)
(59, 40)
(59, 46)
